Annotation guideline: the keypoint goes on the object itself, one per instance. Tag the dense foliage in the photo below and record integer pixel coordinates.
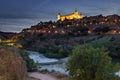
(110, 44)
(3, 44)
(89, 63)
(102, 29)
(29, 62)
(57, 52)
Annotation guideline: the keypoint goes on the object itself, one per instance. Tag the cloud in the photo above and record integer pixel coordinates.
(19, 14)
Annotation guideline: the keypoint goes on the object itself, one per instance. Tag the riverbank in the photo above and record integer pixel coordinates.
(50, 67)
(45, 75)
(31, 78)
(49, 64)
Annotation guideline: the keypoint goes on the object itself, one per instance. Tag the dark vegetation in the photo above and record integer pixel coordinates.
(57, 52)
(6, 35)
(110, 44)
(29, 62)
(56, 49)
(102, 29)
(91, 63)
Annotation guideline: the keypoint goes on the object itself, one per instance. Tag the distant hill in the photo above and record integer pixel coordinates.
(6, 35)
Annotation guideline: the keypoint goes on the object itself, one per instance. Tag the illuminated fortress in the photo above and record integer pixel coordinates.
(74, 15)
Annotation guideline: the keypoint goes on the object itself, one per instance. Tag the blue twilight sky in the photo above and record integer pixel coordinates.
(18, 14)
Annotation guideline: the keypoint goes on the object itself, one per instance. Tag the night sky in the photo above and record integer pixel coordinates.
(18, 14)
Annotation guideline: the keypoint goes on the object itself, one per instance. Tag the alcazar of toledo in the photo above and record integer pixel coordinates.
(74, 15)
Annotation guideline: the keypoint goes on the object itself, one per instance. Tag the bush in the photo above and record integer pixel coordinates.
(102, 29)
(3, 44)
(108, 43)
(56, 52)
(89, 63)
(60, 76)
(102, 42)
(29, 62)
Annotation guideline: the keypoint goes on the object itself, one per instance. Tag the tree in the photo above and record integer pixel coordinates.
(108, 42)
(103, 29)
(89, 63)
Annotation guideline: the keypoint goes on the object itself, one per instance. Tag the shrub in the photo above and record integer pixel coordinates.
(29, 62)
(56, 52)
(108, 43)
(89, 63)
(102, 29)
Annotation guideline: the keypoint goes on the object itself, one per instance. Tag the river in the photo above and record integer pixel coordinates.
(51, 64)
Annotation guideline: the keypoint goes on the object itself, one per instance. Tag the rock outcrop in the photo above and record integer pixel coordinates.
(12, 66)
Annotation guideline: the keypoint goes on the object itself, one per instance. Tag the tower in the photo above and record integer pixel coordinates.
(76, 12)
(58, 17)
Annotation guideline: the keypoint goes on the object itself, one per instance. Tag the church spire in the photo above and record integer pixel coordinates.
(59, 14)
(76, 10)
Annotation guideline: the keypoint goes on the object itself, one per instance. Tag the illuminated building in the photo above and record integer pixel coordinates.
(74, 15)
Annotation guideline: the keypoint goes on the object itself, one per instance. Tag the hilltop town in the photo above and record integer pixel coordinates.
(77, 25)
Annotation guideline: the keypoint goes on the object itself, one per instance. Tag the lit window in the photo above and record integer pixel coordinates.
(90, 22)
(115, 20)
(105, 19)
(68, 26)
(119, 32)
(53, 26)
(78, 31)
(85, 24)
(89, 31)
(63, 31)
(114, 31)
(56, 31)
(49, 31)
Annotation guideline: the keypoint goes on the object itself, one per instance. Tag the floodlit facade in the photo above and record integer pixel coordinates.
(74, 15)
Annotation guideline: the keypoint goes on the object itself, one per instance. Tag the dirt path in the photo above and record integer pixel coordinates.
(42, 76)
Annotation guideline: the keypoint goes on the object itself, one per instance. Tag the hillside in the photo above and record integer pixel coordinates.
(58, 38)
(6, 35)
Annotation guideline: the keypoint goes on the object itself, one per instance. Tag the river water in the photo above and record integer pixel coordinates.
(51, 64)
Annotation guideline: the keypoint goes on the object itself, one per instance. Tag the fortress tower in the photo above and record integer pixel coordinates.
(74, 15)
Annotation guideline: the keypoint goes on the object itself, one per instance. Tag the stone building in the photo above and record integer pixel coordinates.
(74, 15)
